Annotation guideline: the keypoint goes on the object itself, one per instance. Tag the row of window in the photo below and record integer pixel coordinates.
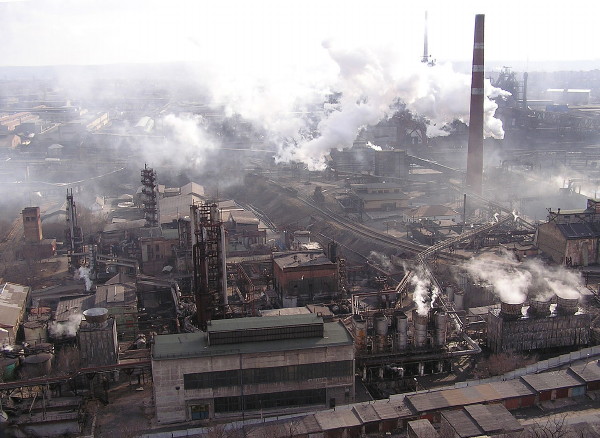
(271, 400)
(291, 373)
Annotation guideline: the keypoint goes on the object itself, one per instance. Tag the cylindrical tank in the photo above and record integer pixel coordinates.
(37, 365)
(567, 306)
(35, 332)
(419, 329)
(360, 332)
(450, 294)
(539, 307)
(96, 315)
(511, 310)
(401, 337)
(7, 367)
(380, 324)
(459, 299)
(441, 320)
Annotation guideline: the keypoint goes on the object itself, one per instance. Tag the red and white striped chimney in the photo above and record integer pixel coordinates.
(475, 150)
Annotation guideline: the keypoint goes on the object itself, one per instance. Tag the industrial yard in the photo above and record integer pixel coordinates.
(408, 249)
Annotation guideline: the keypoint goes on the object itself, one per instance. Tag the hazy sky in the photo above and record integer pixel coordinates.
(283, 34)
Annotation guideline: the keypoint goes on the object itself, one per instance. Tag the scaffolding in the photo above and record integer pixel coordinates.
(210, 274)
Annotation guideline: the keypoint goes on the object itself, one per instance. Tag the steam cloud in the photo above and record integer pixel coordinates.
(65, 328)
(513, 282)
(367, 84)
(381, 259)
(83, 273)
(425, 292)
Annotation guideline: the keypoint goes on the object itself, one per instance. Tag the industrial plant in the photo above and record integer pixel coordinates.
(174, 265)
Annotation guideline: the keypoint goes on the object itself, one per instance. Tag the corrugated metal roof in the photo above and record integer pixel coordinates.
(13, 299)
(576, 231)
(552, 380)
(257, 322)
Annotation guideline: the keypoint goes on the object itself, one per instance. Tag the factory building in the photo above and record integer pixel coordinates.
(14, 299)
(300, 276)
(542, 326)
(250, 366)
(379, 196)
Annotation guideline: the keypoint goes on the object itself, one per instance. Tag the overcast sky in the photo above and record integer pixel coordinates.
(282, 34)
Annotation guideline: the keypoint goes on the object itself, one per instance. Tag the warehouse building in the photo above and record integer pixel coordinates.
(250, 366)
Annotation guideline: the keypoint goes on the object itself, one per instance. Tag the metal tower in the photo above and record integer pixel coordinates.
(210, 274)
(73, 234)
(149, 197)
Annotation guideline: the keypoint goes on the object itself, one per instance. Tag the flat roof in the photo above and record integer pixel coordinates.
(552, 380)
(258, 322)
(487, 392)
(295, 259)
(186, 345)
(589, 372)
(13, 299)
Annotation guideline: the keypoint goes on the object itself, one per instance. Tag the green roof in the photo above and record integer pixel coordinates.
(196, 344)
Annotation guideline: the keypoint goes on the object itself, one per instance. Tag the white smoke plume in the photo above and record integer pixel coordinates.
(366, 83)
(514, 282)
(65, 328)
(381, 259)
(83, 273)
(425, 292)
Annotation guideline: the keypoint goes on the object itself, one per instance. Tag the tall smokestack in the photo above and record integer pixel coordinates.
(475, 151)
(425, 57)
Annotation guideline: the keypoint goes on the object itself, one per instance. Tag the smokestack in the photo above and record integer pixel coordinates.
(525, 77)
(475, 151)
(425, 43)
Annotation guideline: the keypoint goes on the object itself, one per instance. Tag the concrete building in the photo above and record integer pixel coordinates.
(379, 196)
(252, 367)
(13, 302)
(300, 276)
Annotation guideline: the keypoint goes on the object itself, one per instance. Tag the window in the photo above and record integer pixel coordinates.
(199, 412)
(271, 400)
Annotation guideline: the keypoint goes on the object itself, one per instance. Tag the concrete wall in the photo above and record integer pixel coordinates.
(172, 403)
(551, 242)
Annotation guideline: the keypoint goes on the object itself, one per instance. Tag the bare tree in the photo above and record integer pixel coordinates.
(501, 363)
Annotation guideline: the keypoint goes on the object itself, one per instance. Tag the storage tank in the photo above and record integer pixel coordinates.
(539, 307)
(8, 367)
(401, 335)
(36, 365)
(96, 315)
(567, 306)
(360, 332)
(511, 310)
(35, 332)
(459, 299)
(420, 329)
(441, 321)
(380, 323)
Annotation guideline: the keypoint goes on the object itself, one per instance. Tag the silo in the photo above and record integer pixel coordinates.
(35, 332)
(36, 365)
(380, 324)
(441, 322)
(360, 332)
(459, 299)
(419, 329)
(401, 335)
